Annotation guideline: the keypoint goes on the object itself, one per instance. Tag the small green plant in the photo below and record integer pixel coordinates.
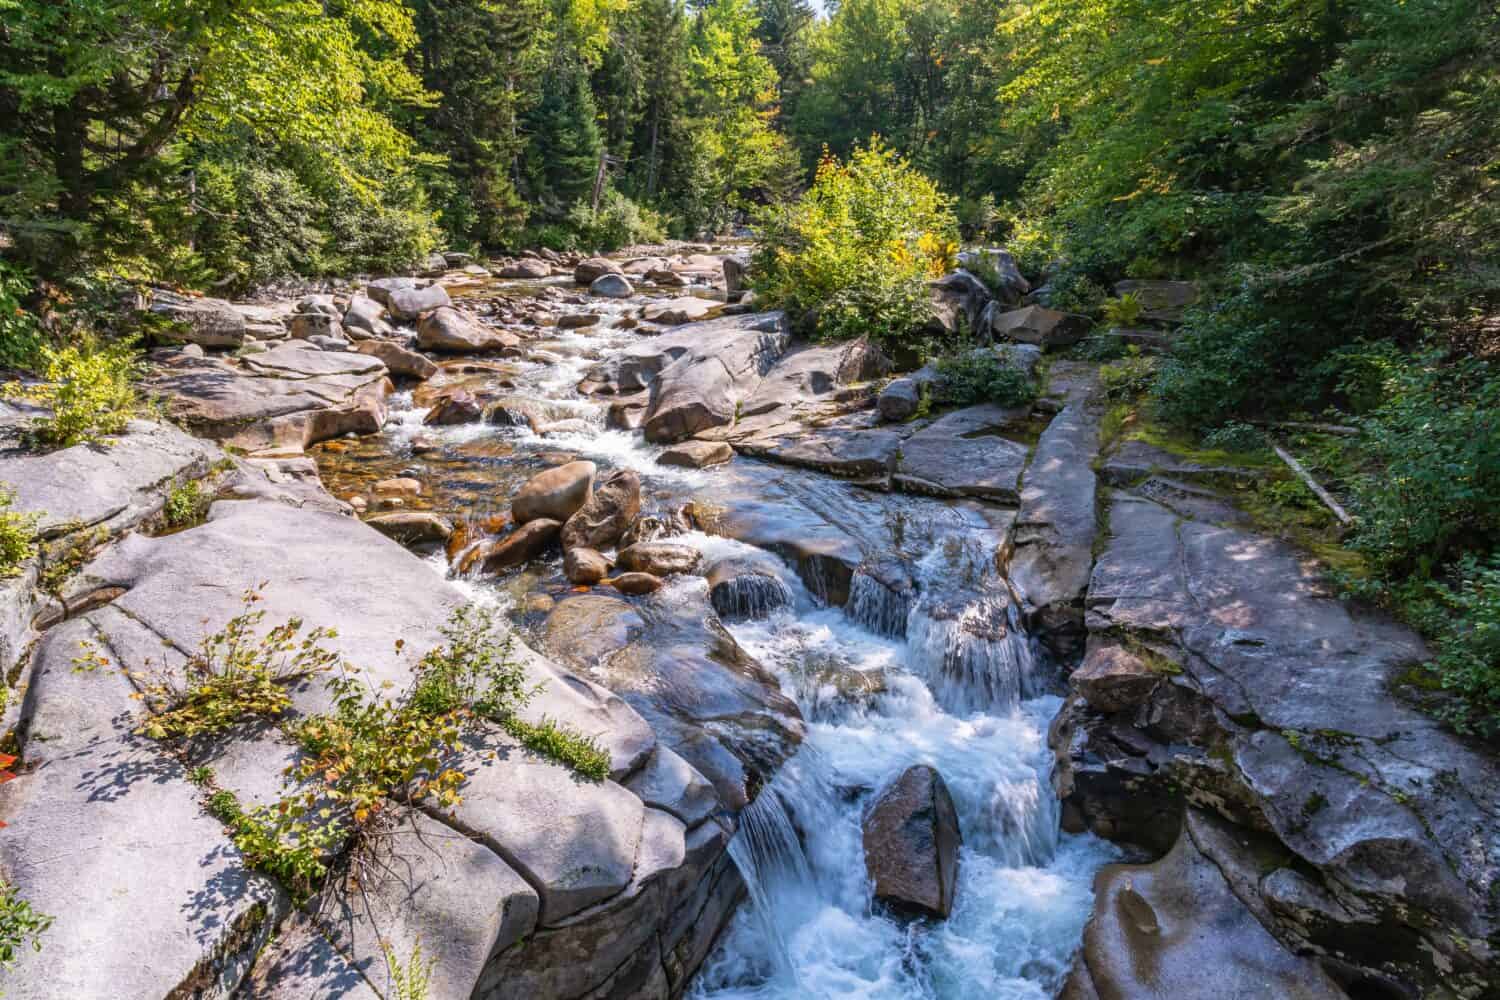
(1129, 378)
(296, 854)
(89, 388)
(1123, 312)
(20, 925)
(1236, 436)
(238, 673)
(17, 535)
(582, 753)
(186, 504)
(980, 376)
(20, 334)
(202, 775)
(410, 980)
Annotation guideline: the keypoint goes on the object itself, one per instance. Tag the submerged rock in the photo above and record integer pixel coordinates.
(412, 527)
(697, 454)
(741, 588)
(635, 583)
(911, 842)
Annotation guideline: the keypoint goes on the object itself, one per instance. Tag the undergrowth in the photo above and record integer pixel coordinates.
(21, 926)
(17, 535)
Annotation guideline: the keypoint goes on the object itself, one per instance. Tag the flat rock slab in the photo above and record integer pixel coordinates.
(122, 479)
(106, 835)
(234, 404)
(574, 840)
(1132, 461)
(301, 964)
(963, 454)
(684, 309)
(297, 360)
(851, 450)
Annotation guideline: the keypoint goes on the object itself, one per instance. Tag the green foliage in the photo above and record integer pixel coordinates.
(619, 222)
(20, 334)
(89, 388)
(17, 535)
(980, 376)
(20, 925)
(854, 254)
(1129, 378)
(1463, 617)
(582, 753)
(238, 673)
(187, 502)
(410, 980)
(1125, 311)
(295, 854)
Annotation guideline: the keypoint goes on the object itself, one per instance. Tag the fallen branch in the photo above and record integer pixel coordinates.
(1299, 425)
(1312, 484)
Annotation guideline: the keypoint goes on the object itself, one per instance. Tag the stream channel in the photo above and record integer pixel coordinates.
(946, 678)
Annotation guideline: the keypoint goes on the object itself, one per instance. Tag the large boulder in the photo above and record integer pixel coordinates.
(1163, 301)
(675, 312)
(591, 270)
(736, 271)
(715, 368)
(999, 271)
(557, 493)
(367, 316)
(526, 267)
(406, 304)
(447, 329)
(397, 359)
(206, 322)
(611, 286)
(602, 520)
(311, 325)
(900, 398)
(1046, 328)
(746, 587)
(520, 546)
(911, 842)
(958, 301)
(413, 527)
(381, 289)
(963, 455)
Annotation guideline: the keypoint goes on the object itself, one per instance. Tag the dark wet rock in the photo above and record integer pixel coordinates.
(608, 513)
(1164, 301)
(412, 527)
(454, 408)
(659, 558)
(1176, 928)
(706, 699)
(1050, 550)
(697, 454)
(611, 286)
(204, 321)
(591, 270)
(911, 842)
(736, 271)
(745, 587)
(524, 544)
(963, 454)
(635, 584)
(405, 304)
(824, 556)
(1046, 328)
(447, 329)
(525, 411)
(584, 566)
(397, 359)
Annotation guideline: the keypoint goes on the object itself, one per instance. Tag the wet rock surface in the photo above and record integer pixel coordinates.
(911, 841)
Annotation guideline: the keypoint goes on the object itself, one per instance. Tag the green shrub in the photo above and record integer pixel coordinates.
(979, 376)
(1464, 621)
(20, 925)
(90, 389)
(1129, 378)
(619, 222)
(186, 504)
(854, 254)
(17, 535)
(1075, 291)
(20, 334)
(1123, 312)
(550, 236)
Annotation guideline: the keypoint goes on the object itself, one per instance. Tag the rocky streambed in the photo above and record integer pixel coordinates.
(974, 703)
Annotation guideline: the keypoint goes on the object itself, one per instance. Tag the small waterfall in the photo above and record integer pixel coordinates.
(977, 655)
(877, 607)
(769, 855)
(1020, 825)
(749, 596)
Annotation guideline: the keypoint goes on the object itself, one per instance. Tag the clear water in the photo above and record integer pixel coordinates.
(941, 675)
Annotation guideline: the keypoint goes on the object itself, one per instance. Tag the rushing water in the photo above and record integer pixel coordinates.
(932, 668)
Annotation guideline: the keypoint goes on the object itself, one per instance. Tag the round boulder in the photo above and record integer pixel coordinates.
(591, 270)
(611, 286)
(584, 566)
(659, 558)
(635, 583)
(557, 494)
